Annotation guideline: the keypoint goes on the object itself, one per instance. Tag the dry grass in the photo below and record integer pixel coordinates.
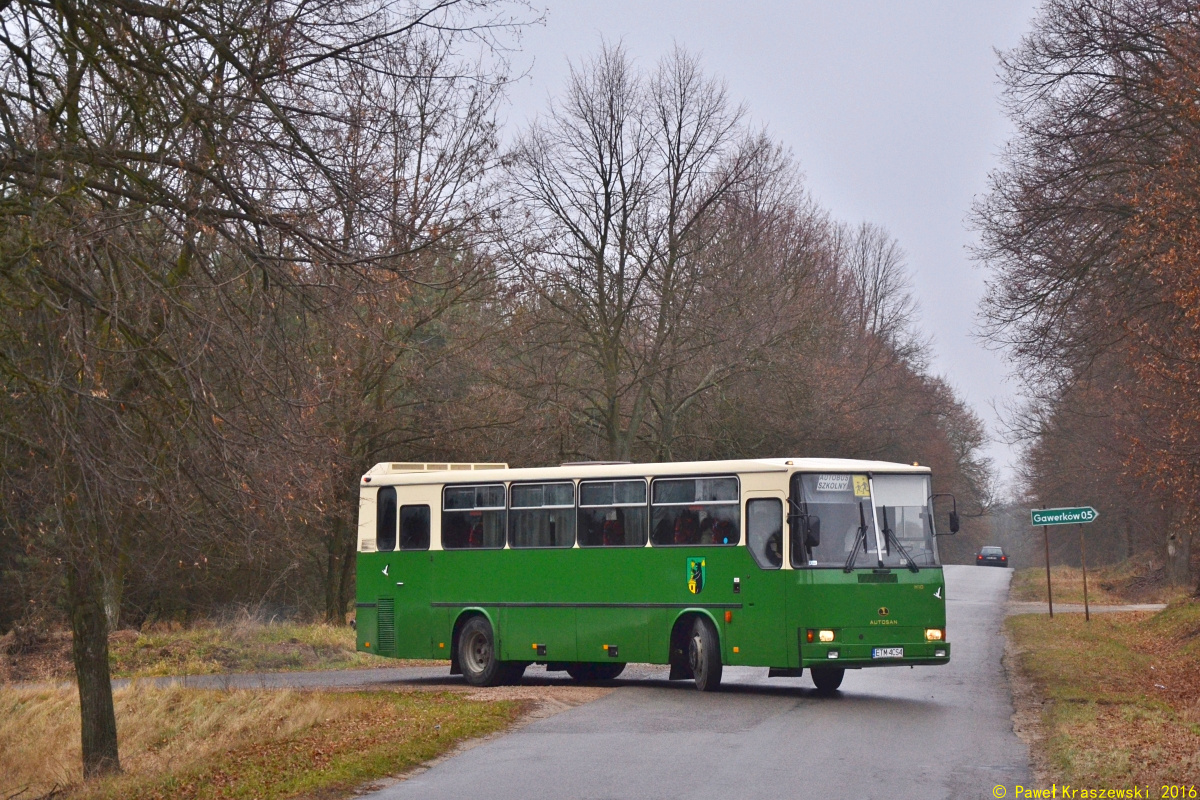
(1129, 582)
(1122, 694)
(207, 744)
(246, 646)
(241, 647)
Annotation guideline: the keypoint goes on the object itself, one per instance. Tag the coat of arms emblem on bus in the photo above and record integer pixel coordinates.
(695, 575)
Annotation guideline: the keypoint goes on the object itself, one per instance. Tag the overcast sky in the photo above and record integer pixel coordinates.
(891, 108)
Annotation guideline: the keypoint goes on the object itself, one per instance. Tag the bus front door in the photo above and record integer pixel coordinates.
(758, 630)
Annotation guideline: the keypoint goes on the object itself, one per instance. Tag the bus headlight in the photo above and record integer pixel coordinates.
(934, 635)
(825, 636)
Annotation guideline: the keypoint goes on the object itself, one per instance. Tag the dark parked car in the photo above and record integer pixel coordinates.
(991, 557)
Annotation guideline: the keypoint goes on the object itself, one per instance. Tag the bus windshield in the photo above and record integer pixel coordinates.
(842, 503)
(846, 510)
(905, 520)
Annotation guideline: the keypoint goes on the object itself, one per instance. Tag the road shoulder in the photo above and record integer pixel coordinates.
(540, 704)
(1027, 711)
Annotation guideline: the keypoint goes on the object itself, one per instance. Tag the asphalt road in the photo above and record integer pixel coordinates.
(937, 732)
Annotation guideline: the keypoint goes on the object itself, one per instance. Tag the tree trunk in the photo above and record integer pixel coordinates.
(346, 586)
(89, 647)
(1195, 575)
(339, 563)
(331, 571)
(1179, 554)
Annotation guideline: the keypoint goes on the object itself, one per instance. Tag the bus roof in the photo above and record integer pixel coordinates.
(409, 473)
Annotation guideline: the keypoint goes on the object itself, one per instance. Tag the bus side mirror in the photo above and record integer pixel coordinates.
(812, 532)
(953, 513)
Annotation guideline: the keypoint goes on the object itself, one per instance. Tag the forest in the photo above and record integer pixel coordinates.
(249, 249)
(1089, 234)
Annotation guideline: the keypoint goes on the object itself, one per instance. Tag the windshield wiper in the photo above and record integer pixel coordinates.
(861, 536)
(889, 534)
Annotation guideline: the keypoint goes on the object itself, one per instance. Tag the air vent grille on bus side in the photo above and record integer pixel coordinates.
(387, 626)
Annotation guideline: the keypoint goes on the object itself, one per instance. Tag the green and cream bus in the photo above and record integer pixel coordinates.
(790, 564)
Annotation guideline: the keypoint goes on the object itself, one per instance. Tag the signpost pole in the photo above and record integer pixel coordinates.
(1044, 518)
(1049, 595)
(1087, 614)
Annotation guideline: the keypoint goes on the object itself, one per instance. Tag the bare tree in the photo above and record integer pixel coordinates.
(418, 146)
(168, 182)
(880, 288)
(1079, 91)
(615, 187)
(1086, 229)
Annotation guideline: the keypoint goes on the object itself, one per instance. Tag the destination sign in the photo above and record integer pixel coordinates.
(1063, 516)
(833, 483)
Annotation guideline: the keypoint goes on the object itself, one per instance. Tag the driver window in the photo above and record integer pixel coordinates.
(764, 532)
(840, 504)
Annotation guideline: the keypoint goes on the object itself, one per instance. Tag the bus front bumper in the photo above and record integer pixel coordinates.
(859, 656)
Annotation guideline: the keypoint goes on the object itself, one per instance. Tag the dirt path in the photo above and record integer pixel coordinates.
(1025, 607)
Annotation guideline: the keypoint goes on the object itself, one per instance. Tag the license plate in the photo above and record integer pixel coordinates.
(887, 652)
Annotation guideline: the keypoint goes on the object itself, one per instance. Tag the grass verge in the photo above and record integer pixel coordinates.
(199, 650)
(1128, 582)
(245, 647)
(1121, 694)
(186, 743)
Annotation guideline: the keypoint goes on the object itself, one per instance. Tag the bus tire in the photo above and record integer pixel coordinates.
(585, 671)
(704, 655)
(477, 653)
(827, 679)
(608, 670)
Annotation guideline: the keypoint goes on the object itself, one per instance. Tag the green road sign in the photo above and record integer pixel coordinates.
(1063, 516)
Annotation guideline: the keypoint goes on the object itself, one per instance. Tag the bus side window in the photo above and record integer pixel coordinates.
(692, 511)
(541, 515)
(414, 527)
(612, 513)
(473, 517)
(764, 532)
(385, 519)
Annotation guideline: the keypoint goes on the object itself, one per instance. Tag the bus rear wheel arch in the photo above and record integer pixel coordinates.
(475, 654)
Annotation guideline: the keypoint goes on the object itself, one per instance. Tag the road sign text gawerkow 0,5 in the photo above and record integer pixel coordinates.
(1065, 516)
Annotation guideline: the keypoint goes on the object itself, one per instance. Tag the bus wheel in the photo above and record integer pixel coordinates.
(581, 671)
(477, 653)
(704, 655)
(827, 679)
(607, 671)
(584, 671)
